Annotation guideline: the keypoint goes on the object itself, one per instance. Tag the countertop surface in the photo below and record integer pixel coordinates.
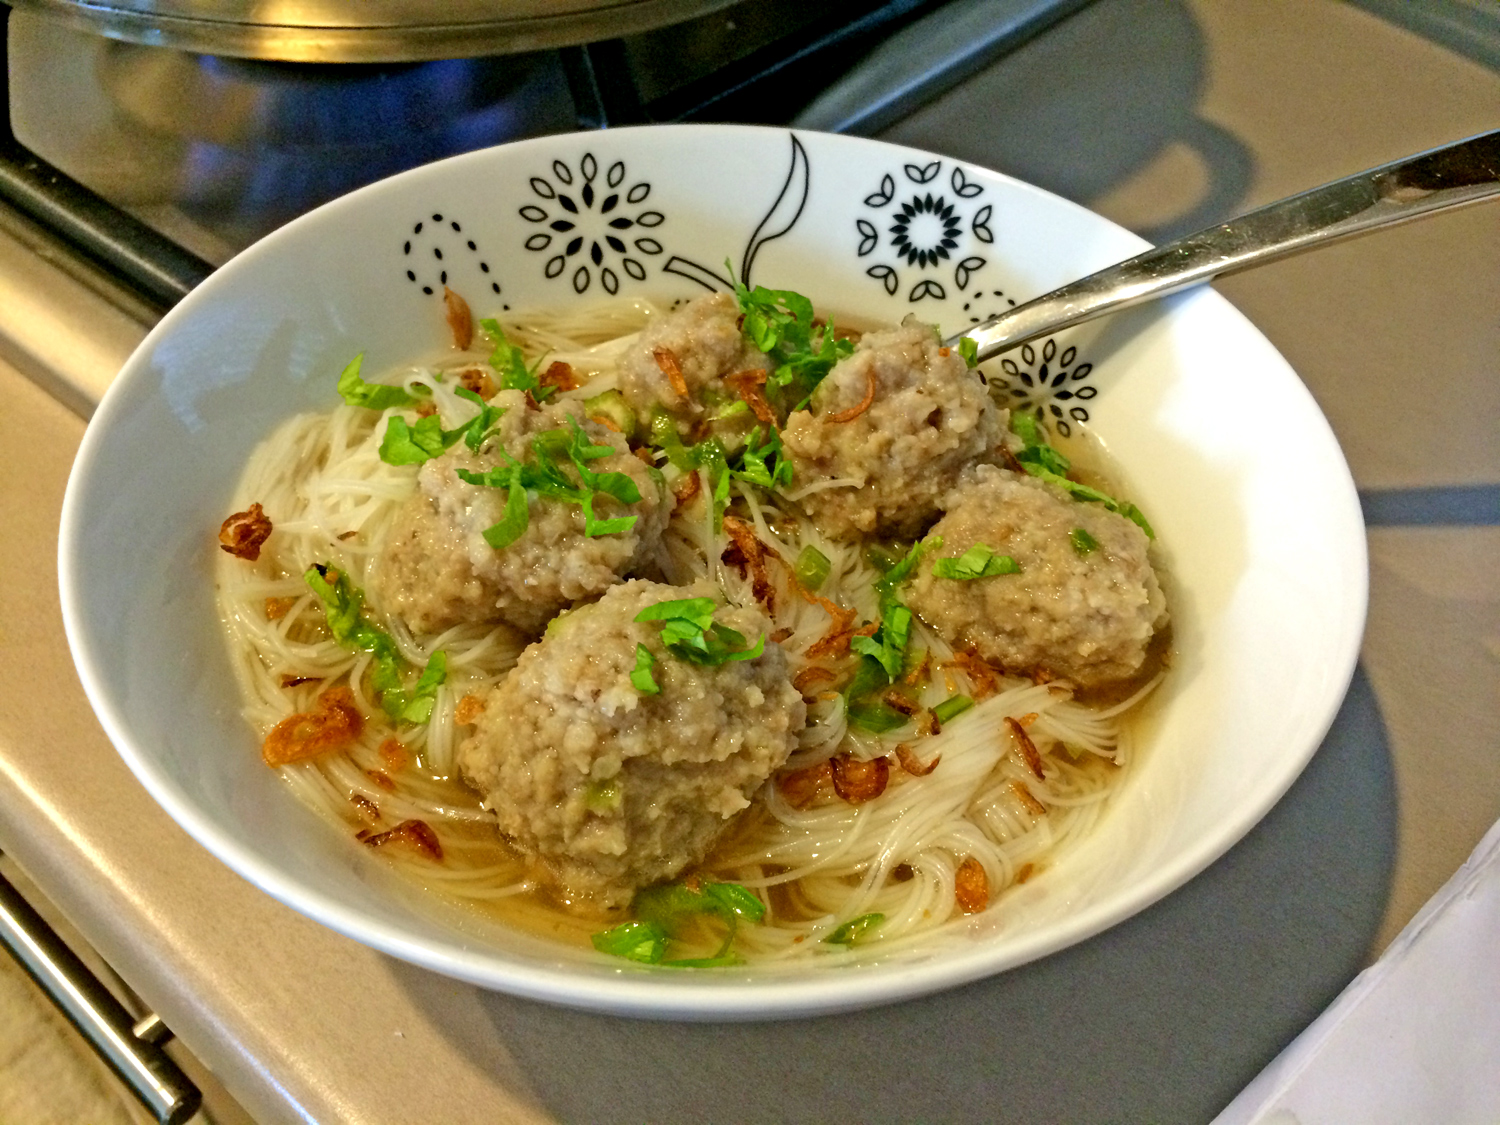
(1163, 115)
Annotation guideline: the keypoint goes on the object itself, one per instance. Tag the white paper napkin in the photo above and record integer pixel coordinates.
(1415, 1037)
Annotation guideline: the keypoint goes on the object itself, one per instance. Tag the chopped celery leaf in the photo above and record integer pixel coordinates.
(979, 561)
(690, 632)
(781, 323)
(875, 715)
(1040, 460)
(374, 396)
(888, 644)
(510, 364)
(543, 476)
(1082, 541)
(644, 682)
(342, 603)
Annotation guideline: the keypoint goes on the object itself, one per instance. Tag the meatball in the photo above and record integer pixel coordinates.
(1084, 616)
(704, 339)
(612, 789)
(929, 418)
(436, 570)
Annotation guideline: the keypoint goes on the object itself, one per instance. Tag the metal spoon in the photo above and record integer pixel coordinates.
(1450, 176)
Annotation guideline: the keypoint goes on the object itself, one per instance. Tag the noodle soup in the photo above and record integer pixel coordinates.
(919, 776)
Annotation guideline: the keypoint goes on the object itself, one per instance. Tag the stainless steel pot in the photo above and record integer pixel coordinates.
(370, 30)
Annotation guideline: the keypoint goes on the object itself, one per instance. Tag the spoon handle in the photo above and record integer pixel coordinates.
(1464, 172)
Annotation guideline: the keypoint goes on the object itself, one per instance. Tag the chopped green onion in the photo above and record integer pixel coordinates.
(662, 911)
(868, 677)
(611, 410)
(952, 707)
(968, 347)
(665, 437)
(812, 568)
(415, 706)
(745, 903)
(855, 930)
(644, 942)
(1082, 541)
(412, 445)
(879, 558)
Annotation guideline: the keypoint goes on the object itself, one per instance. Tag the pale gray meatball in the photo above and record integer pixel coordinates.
(611, 788)
(435, 569)
(703, 339)
(1083, 615)
(929, 418)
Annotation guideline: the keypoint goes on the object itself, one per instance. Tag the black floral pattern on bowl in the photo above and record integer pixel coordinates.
(591, 227)
(1045, 383)
(924, 228)
(438, 249)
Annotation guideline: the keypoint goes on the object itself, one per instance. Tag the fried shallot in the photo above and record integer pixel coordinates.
(460, 319)
(469, 708)
(801, 788)
(687, 487)
(860, 407)
(277, 608)
(417, 833)
(971, 886)
(243, 533)
(561, 376)
(1028, 802)
(478, 382)
(1027, 747)
(667, 361)
(810, 675)
(395, 755)
(747, 384)
(913, 764)
(332, 725)
(984, 678)
(856, 780)
(748, 555)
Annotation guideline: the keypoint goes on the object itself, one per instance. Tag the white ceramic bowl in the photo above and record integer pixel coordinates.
(1219, 441)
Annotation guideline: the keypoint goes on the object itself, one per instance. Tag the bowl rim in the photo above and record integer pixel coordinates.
(629, 989)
